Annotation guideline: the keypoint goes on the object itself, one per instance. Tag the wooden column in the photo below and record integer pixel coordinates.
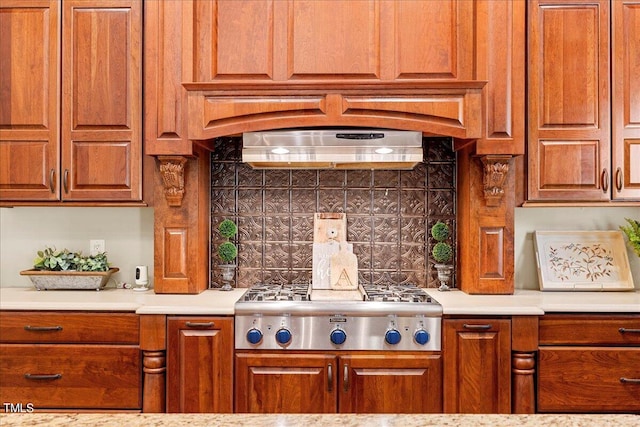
(486, 202)
(524, 345)
(153, 343)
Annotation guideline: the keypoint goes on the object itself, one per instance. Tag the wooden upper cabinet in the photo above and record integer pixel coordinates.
(29, 90)
(569, 100)
(626, 99)
(102, 100)
(71, 115)
(330, 40)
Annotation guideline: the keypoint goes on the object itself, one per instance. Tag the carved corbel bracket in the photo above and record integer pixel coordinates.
(172, 171)
(495, 168)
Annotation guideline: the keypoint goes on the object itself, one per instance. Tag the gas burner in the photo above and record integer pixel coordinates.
(395, 293)
(278, 292)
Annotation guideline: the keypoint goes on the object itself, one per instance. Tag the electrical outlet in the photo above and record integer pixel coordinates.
(96, 247)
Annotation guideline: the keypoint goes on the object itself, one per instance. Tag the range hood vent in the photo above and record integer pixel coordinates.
(332, 149)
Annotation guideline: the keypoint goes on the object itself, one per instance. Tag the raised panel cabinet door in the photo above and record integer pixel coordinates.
(102, 100)
(569, 100)
(200, 364)
(285, 383)
(477, 366)
(29, 104)
(391, 383)
(625, 29)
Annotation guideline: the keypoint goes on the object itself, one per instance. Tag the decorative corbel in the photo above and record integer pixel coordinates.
(495, 169)
(172, 172)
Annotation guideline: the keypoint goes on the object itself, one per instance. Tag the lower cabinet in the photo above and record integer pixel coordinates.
(199, 364)
(589, 363)
(70, 361)
(295, 382)
(477, 365)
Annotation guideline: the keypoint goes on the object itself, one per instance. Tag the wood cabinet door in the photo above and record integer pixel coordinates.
(200, 364)
(477, 366)
(390, 383)
(626, 99)
(102, 100)
(29, 110)
(569, 100)
(285, 383)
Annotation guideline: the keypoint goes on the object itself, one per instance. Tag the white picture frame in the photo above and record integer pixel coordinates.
(582, 261)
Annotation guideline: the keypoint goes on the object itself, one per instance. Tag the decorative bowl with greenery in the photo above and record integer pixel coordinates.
(442, 253)
(227, 251)
(63, 269)
(632, 232)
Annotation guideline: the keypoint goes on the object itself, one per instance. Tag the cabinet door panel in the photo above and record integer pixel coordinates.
(199, 364)
(102, 97)
(626, 99)
(285, 383)
(391, 383)
(477, 366)
(29, 119)
(569, 98)
(588, 379)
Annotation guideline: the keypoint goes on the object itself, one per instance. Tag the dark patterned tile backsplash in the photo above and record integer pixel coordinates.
(389, 214)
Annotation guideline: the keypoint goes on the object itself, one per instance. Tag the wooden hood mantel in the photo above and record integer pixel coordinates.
(445, 108)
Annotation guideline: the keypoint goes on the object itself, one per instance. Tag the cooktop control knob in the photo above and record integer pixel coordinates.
(254, 336)
(421, 336)
(338, 336)
(392, 336)
(283, 336)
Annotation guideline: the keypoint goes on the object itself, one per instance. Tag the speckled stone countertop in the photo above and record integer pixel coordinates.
(312, 420)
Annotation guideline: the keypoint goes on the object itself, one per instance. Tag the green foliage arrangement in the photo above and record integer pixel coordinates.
(51, 259)
(633, 234)
(228, 251)
(442, 251)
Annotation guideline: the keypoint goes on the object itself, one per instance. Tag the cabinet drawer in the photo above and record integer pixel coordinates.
(589, 330)
(71, 376)
(588, 379)
(68, 327)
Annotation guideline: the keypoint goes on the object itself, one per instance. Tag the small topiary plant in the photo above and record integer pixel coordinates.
(227, 251)
(633, 234)
(442, 251)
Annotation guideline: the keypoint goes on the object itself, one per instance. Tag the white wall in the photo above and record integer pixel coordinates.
(530, 219)
(128, 234)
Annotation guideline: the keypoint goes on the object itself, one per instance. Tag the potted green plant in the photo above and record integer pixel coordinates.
(227, 251)
(63, 269)
(442, 253)
(632, 231)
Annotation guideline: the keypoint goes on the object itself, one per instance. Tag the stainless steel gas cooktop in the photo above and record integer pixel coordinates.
(380, 317)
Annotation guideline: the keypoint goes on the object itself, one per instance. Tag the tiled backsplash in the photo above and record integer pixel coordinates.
(389, 215)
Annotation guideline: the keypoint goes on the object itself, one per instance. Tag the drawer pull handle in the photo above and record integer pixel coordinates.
(477, 327)
(624, 380)
(43, 376)
(199, 324)
(629, 331)
(42, 328)
(345, 378)
(330, 377)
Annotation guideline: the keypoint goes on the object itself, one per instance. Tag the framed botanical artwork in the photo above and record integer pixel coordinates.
(582, 261)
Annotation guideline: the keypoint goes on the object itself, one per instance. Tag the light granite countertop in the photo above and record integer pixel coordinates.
(320, 420)
(216, 302)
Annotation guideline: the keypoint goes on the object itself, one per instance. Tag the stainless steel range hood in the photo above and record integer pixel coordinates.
(332, 149)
